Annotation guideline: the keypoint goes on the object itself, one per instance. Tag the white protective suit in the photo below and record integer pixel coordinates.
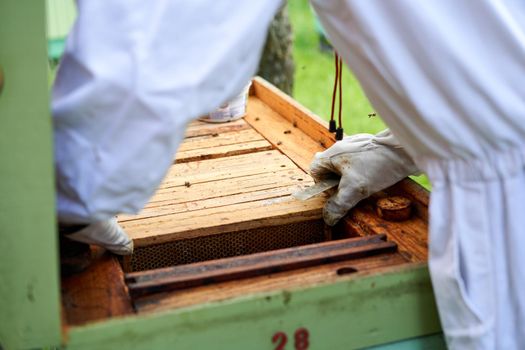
(448, 77)
(133, 75)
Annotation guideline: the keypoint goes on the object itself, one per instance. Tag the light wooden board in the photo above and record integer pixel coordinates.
(222, 193)
(410, 235)
(293, 112)
(198, 128)
(221, 145)
(236, 217)
(226, 168)
(290, 140)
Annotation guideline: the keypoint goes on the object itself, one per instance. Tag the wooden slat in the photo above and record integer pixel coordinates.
(242, 216)
(97, 293)
(306, 121)
(222, 151)
(198, 128)
(215, 145)
(216, 140)
(226, 168)
(284, 281)
(226, 187)
(290, 140)
(410, 235)
(220, 193)
(186, 276)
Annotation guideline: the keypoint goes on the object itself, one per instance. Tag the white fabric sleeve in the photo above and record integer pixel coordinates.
(133, 75)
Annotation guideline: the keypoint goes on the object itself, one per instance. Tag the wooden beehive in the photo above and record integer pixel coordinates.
(223, 223)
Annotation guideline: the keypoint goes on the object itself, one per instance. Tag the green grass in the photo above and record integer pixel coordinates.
(315, 72)
(314, 79)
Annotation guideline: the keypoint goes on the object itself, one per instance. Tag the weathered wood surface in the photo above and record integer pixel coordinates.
(191, 275)
(198, 128)
(97, 293)
(410, 235)
(217, 145)
(282, 134)
(419, 196)
(282, 281)
(236, 217)
(295, 113)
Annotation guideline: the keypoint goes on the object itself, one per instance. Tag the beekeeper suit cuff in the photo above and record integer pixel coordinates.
(365, 164)
(107, 234)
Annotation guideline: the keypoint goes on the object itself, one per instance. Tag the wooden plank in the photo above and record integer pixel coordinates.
(222, 193)
(198, 128)
(226, 168)
(306, 121)
(242, 216)
(217, 140)
(222, 151)
(191, 275)
(97, 293)
(226, 187)
(290, 140)
(290, 280)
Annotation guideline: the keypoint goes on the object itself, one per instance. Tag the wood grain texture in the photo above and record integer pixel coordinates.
(198, 128)
(282, 134)
(97, 293)
(419, 196)
(309, 123)
(226, 168)
(410, 235)
(222, 193)
(216, 140)
(236, 217)
(284, 281)
(228, 269)
(222, 151)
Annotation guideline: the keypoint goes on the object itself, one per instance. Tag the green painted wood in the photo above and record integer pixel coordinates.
(349, 314)
(29, 288)
(430, 342)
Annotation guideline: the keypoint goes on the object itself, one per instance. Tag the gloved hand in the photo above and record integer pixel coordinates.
(366, 164)
(107, 234)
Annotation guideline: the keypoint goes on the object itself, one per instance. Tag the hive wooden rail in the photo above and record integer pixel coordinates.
(192, 275)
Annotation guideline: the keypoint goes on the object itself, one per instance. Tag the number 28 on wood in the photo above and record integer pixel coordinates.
(301, 341)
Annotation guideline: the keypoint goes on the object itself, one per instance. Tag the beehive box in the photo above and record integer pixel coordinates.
(223, 225)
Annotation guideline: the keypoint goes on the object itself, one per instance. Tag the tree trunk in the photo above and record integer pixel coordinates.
(277, 65)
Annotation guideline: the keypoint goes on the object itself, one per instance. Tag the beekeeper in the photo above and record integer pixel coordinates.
(445, 75)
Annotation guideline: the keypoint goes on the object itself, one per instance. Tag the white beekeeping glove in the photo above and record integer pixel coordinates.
(366, 164)
(107, 234)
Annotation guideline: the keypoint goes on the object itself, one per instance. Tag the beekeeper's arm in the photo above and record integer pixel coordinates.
(365, 164)
(133, 75)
